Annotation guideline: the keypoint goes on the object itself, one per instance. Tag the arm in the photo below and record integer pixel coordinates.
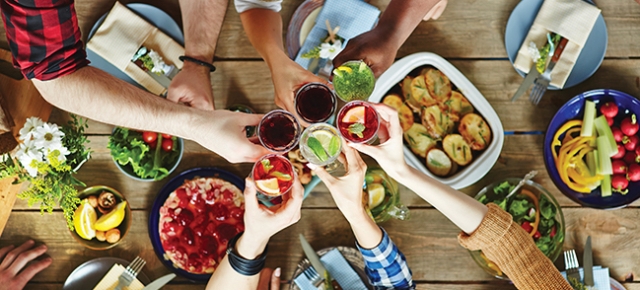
(202, 23)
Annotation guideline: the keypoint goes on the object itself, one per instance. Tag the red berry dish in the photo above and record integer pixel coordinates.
(197, 221)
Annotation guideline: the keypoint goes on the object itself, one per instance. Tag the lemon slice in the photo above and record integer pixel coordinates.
(354, 115)
(84, 219)
(376, 194)
(345, 69)
(268, 186)
(112, 219)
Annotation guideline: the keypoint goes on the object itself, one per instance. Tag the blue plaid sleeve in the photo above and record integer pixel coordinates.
(386, 266)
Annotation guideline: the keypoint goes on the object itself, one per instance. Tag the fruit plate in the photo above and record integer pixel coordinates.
(573, 110)
(164, 193)
(472, 172)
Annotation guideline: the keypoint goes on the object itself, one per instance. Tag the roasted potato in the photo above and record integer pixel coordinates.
(420, 94)
(438, 85)
(393, 101)
(437, 122)
(406, 117)
(419, 140)
(475, 131)
(454, 169)
(438, 162)
(457, 106)
(457, 148)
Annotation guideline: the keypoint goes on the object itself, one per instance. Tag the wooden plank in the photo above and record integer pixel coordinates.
(425, 239)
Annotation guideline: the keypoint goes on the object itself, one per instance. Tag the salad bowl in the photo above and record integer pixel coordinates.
(531, 204)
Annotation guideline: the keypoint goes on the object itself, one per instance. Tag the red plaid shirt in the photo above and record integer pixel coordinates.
(44, 37)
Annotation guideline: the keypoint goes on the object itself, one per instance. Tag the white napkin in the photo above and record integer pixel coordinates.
(340, 270)
(600, 277)
(572, 19)
(110, 280)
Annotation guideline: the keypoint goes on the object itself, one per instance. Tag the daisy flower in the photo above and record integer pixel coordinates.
(48, 136)
(29, 127)
(330, 50)
(29, 157)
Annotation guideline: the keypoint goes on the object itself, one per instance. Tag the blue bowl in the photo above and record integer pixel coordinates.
(154, 217)
(573, 110)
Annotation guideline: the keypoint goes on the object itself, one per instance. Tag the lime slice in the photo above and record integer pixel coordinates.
(266, 165)
(376, 194)
(281, 176)
(316, 146)
(337, 72)
(363, 67)
(268, 186)
(346, 69)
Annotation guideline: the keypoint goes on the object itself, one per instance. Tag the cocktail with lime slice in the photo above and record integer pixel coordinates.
(353, 80)
(320, 144)
(358, 122)
(273, 175)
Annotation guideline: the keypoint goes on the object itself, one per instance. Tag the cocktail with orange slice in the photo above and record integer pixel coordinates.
(273, 175)
(358, 122)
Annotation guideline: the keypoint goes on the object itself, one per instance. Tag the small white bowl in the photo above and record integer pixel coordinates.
(483, 163)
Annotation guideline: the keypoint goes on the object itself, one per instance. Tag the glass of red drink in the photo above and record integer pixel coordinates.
(315, 102)
(279, 131)
(358, 122)
(273, 175)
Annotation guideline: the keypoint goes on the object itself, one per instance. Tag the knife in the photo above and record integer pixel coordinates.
(587, 266)
(315, 262)
(158, 283)
(528, 81)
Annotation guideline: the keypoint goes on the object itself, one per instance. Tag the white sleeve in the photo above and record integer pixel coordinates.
(244, 5)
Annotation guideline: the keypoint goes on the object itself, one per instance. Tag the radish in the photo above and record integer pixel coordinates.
(621, 152)
(631, 158)
(629, 126)
(609, 121)
(617, 134)
(619, 167)
(609, 109)
(619, 182)
(630, 142)
(633, 172)
(637, 150)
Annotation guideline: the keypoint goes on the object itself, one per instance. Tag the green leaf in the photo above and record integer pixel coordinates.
(357, 129)
(266, 165)
(315, 146)
(334, 146)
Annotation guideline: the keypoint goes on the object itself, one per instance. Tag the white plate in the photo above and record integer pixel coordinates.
(483, 163)
(87, 275)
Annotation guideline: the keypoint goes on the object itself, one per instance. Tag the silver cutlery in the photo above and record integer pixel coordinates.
(571, 264)
(587, 259)
(528, 81)
(526, 178)
(158, 283)
(311, 274)
(130, 273)
(542, 82)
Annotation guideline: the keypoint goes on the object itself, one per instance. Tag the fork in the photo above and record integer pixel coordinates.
(541, 83)
(311, 274)
(130, 273)
(571, 264)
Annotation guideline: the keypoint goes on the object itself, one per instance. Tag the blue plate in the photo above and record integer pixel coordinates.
(573, 110)
(153, 15)
(587, 63)
(167, 189)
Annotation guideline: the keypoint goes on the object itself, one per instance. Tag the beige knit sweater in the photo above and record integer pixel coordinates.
(505, 243)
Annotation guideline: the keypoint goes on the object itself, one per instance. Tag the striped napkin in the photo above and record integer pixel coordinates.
(110, 280)
(600, 278)
(353, 16)
(340, 270)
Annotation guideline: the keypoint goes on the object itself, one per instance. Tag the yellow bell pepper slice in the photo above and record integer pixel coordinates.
(568, 125)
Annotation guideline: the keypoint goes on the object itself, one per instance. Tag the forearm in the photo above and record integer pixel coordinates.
(225, 277)
(202, 24)
(464, 211)
(264, 30)
(366, 231)
(401, 17)
(95, 94)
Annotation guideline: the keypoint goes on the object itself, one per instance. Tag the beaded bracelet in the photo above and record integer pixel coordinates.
(197, 61)
(244, 266)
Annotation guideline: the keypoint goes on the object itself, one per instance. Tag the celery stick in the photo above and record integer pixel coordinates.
(591, 162)
(603, 158)
(605, 186)
(587, 120)
(594, 133)
(605, 131)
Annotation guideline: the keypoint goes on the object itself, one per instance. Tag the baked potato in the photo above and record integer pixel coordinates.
(438, 162)
(394, 101)
(419, 140)
(475, 130)
(406, 93)
(457, 148)
(438, 85)
(437, 122)
(457, 106)
(404, 112)
(419, 92)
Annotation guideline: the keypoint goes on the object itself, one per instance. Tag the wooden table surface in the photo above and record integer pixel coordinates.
(470, 34)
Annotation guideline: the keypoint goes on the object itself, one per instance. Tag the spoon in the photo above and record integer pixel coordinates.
(526, 178)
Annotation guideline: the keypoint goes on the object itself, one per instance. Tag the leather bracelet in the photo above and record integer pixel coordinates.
(241, 265)
(184, 58)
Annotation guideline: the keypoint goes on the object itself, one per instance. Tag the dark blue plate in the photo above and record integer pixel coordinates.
(573, 110)
(167, 189)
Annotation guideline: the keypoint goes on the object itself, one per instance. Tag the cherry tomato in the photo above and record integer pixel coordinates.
(167, 145)
(554, 230)
(153, 145)
(527, 226)
(166, 136)
(149, 137)
(537, 235)
(609, 109)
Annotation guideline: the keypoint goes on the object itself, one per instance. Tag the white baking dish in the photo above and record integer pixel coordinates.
(485, 161)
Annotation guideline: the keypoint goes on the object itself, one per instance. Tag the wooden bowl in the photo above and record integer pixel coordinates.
(94, 244)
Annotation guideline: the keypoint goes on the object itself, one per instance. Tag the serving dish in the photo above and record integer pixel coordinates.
(574, 110)
(483, 162)
(302, 21)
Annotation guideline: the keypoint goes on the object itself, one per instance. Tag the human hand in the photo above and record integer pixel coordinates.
(192, 86)
(373, 48)
(389, 153)
(346, 190)
(261, 223)
(269, 280)
(12, 274)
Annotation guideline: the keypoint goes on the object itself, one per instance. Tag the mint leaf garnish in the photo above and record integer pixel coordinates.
(315, 146)
(357, 129)
(334, 145)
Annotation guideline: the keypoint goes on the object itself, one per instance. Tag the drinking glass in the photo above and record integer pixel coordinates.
(353, 80)
(273, 175)
(321, 144)
(315, 103)
(279, 131)
(358, 122)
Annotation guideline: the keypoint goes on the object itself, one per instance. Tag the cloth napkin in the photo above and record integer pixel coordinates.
(110, 280)
(572, 19)
(340, 270)
(120, 36)
(600, 277)
(353, 16)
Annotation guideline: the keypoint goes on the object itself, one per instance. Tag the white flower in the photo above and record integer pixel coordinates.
(28, 157)
(29, 126)
(48, 136)
(533, 52)
(330, 50)
(62, 156)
